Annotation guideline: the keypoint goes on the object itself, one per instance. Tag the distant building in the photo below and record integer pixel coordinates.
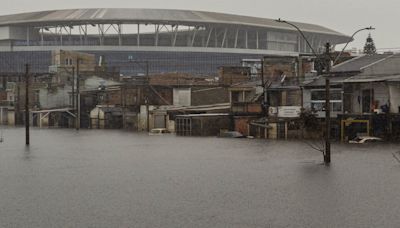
(168, 40)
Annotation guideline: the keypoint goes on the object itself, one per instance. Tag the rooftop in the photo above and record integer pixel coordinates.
(359, 63)
(101, 15)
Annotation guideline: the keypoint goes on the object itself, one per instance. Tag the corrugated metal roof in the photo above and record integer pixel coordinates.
(358, 63)
(195, 108)
(204, 115)
(320, 81)
(372, 78)
(153, 15)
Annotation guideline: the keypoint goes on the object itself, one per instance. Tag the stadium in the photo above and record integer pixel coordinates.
(170, 40)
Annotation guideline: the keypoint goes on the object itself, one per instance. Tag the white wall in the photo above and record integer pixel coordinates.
(3, 116)
(307, 104)
(57, 99)
(4, 33)
(381, 95)
(182, 97)
(394, 92)
(17, 33)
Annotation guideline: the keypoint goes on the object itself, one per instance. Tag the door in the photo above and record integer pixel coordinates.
(159, 121)
(367, 98)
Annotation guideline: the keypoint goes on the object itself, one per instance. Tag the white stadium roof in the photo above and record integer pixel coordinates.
(87, 16)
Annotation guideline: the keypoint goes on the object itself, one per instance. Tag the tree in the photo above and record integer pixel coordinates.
(369, 47)
(311, 124)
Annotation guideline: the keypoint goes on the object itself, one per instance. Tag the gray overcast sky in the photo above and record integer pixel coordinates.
(345, 16)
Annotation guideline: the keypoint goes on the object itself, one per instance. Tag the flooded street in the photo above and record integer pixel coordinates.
(121, 179)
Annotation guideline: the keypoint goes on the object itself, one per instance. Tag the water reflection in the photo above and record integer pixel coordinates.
(27, 155)
(121, 179)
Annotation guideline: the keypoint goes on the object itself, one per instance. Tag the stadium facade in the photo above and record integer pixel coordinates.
(170, 40)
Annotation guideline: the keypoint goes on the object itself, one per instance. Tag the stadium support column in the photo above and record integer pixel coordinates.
(209, 37)
(27, 36)
(236, 37)
(257, 40)
(138, 35)
(41, 37)
(120, 34)
(175, 35)
(247, 39)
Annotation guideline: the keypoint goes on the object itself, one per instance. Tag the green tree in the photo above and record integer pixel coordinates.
(369, 47)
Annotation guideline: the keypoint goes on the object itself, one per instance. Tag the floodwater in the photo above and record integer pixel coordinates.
(96, 178)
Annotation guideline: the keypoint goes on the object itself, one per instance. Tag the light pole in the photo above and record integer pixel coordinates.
(351, 39)
(327, 150)
(78, 97)
(301, 33)
(27, 82)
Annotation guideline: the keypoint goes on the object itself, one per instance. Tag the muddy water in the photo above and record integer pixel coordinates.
(120, 179)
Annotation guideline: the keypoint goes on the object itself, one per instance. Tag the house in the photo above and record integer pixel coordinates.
(63, 59)
(210, 124)
(246, 106)
(230, 75)
(364, 96)
(269, 105)
(373, 106)
(284, 96)
(169, 95)
(314, 88)
(166, 116)
(106, 117)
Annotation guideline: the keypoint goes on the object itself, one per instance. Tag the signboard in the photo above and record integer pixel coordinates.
(289, 111)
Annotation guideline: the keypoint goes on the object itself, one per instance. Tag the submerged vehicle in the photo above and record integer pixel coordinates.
(365, 139)
(231, 134)
(159, 131)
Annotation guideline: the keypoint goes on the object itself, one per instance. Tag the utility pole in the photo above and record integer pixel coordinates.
(27, 82)
(264, 105)
(18, 103)
(327, 152)
(147, 96)
(78, 103)
(73, 90)
(147, 114)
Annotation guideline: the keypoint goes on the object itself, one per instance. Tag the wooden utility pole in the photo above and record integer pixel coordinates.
(78, 103)
(147, 114)
(18, 102)
(264, 89)
(147, 96)
(73, 88)
(27, 82)
(327, 152)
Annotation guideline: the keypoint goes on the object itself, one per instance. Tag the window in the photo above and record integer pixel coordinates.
(68, 61)
(318, 100)
(235, 96)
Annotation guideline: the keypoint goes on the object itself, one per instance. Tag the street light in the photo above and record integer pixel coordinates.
(301, 33)
(327, 151)
(351, 39)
